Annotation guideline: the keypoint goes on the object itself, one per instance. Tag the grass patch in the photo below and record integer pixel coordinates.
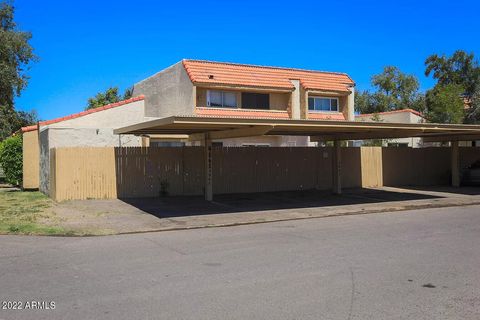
(27, 213)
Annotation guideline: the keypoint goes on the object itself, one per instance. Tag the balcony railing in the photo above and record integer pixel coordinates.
(328, 115)
(241, 113)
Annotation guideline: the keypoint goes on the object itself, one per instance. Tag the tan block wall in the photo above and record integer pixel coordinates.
(31, 160)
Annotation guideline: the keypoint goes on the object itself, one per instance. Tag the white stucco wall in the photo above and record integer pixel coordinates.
(272, 141)
(90, 137)
(115, 117)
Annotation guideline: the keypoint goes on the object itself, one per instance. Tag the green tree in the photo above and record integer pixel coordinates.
(11, 159)
(445, 103)
(11, 121)
(7, 120)
(103, 98)
(111, 95)
(461, 68)
(364, 102)
(16, 55)
(128, 93)
(394, 90)
(472, 113)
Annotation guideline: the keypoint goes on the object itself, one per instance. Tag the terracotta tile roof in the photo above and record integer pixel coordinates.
(234, 74)
(415, 112)
(83, 113)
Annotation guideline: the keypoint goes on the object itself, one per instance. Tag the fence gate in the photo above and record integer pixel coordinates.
(372, 167)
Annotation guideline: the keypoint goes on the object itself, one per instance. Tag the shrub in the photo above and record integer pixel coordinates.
(11, 159)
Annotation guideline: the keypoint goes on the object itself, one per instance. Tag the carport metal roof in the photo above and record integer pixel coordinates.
(221, 128)
(208, 129)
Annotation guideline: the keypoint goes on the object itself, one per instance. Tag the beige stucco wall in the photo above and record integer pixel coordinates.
(350, 105)
(398, 117)
(201, 100)
(167, 93)
(279, 101)
(31, 160)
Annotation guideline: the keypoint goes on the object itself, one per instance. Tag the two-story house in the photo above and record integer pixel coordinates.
(217, 89)
(203, 89)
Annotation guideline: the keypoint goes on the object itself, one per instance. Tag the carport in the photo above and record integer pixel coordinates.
(206, 129)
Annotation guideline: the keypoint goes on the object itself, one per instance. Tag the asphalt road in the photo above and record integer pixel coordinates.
(405, 265)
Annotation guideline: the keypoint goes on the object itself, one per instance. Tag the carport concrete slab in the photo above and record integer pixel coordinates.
(176, 213)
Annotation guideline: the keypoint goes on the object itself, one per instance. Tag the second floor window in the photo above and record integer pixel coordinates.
(221, 99)
(251, 100)
(322, 104)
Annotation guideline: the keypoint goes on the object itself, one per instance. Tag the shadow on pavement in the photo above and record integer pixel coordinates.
(168, 207)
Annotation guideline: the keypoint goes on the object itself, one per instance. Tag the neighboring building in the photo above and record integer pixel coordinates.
(396, 116)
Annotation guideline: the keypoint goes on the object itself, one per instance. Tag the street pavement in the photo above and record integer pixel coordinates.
(422, 264)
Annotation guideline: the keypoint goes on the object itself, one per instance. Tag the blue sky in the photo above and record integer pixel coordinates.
(87, 46)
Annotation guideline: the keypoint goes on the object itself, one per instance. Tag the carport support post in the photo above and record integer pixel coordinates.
(208, 168)
(455, 164)
(337, 168)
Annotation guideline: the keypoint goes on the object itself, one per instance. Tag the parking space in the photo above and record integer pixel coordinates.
(174, 213)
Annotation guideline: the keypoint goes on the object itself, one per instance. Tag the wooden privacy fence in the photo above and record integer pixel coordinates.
(416, 166)
(106, 173)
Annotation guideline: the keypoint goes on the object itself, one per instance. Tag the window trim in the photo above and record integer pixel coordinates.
(324, 97)
(223, 98)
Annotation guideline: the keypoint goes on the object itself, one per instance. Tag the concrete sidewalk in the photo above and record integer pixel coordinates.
(177, 213)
